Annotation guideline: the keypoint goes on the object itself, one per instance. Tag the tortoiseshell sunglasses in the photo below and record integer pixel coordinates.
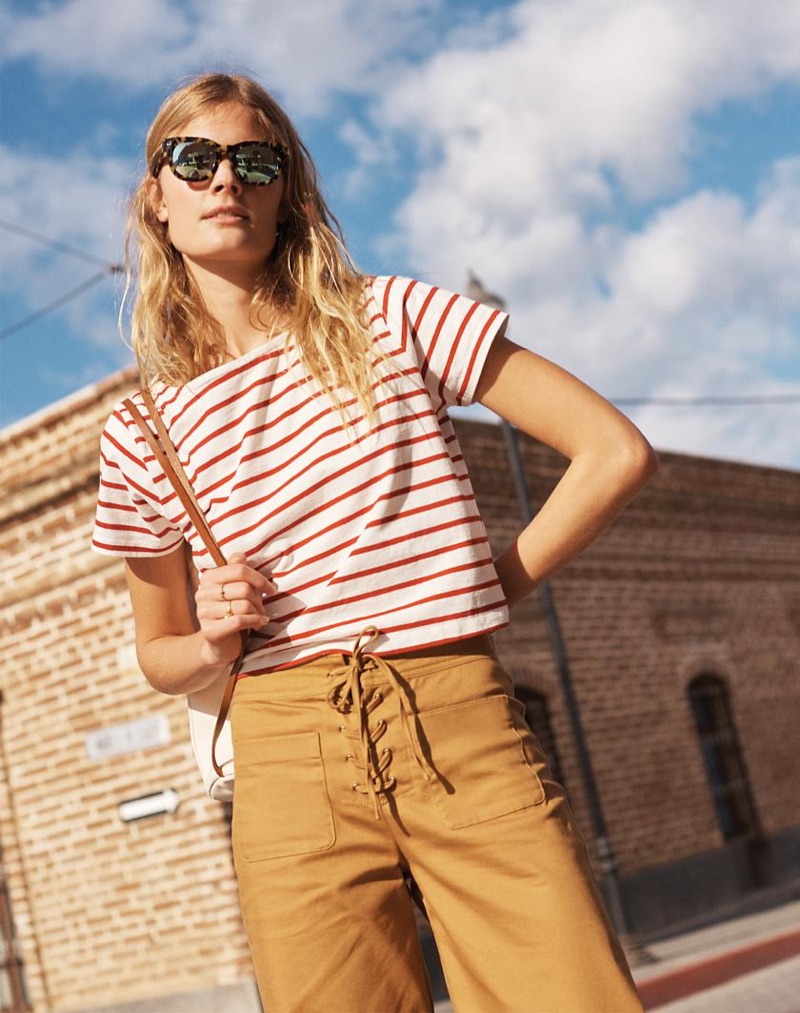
(196, 159)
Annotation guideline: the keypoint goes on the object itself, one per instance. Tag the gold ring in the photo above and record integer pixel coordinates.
(228, 612)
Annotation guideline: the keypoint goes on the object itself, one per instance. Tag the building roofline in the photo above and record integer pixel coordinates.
(53, 412)
(128, 374)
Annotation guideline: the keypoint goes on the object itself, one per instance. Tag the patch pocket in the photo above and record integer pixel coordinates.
(482, 760)
(281, 805)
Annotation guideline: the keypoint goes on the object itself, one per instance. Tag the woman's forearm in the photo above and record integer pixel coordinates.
(173, 653)
(180, 664)
(609, 458)
(591, 493)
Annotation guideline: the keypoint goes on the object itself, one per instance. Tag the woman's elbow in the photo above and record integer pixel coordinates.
(152, 674)
(160, 676)
(638, 461)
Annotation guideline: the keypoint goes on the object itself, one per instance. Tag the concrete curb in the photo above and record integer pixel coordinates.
(716, 970)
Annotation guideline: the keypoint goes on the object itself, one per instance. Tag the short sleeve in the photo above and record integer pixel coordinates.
(130, 518)
(448, 334)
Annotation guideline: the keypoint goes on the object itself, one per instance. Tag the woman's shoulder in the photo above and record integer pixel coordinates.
(118, 436)
(392, 297)
(163, 395)
(397, 295)
(121, 414)
(121, 429)
(381, 285)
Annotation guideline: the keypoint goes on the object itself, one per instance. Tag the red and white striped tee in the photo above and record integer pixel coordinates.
(375, 524)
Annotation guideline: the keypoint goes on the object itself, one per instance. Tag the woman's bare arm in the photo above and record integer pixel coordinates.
(610, 460)
(175, 655)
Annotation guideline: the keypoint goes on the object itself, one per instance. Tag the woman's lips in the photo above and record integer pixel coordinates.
(227, 213)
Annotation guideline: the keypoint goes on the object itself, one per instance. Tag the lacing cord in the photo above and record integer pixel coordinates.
(346, 696)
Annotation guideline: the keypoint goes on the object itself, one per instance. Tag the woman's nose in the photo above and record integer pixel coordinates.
(225, 178)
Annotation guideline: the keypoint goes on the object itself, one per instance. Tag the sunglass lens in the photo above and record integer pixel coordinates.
(193, 160)
(257, 163)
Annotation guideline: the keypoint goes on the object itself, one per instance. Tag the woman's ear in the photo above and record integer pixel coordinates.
(155, 196)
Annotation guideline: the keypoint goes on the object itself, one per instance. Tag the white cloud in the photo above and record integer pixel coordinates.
(531, 147)
(529, 137)
(585, 92)
(119, 41)
(82, 206)
(308, 51)
(704, 299)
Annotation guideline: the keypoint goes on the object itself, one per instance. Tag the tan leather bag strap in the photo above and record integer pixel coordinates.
(167, 457)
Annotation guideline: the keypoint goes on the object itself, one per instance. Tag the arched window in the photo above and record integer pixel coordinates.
(537, 714)
(722, 757)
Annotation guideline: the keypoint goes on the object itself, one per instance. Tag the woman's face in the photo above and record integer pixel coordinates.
(221, 225)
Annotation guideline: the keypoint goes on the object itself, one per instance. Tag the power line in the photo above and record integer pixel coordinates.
(475, 290)
(7, 331)
(710, 400)
(55, 244)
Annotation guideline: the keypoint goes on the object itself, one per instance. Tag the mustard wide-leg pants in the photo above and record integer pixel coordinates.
(351, 771)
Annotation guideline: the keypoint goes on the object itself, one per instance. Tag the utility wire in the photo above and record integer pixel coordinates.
(7, 331)
(712, 400)
(55, 244)
(475, 290)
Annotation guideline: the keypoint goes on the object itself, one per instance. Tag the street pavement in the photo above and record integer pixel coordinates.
(744, 965)
(774, 989)
(749, 964)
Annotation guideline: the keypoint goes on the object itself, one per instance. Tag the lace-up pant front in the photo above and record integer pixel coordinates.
(352, 771)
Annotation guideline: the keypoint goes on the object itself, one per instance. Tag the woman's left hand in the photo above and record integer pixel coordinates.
(229, 600)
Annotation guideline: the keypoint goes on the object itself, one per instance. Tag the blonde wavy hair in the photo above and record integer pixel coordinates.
(309, 287)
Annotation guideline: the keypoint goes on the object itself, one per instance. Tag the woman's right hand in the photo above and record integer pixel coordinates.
(229, 601)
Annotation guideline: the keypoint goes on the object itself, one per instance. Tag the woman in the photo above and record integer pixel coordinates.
(373, 731)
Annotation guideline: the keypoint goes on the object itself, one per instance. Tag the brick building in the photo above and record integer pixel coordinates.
(682, 632)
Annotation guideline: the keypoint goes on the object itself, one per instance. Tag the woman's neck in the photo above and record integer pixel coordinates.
(229, 301)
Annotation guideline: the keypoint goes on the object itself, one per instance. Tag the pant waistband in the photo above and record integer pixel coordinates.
(344, 681)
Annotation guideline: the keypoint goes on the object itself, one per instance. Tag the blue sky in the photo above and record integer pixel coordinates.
(625, 173)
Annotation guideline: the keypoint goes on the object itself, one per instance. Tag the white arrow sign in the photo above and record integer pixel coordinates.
(166, 801)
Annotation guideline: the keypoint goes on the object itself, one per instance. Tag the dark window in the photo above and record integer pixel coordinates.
(722, 757)
(537, 714)
(12, 986)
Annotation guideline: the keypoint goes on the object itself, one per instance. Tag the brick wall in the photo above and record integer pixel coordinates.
(104, 910)
(700, 574)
